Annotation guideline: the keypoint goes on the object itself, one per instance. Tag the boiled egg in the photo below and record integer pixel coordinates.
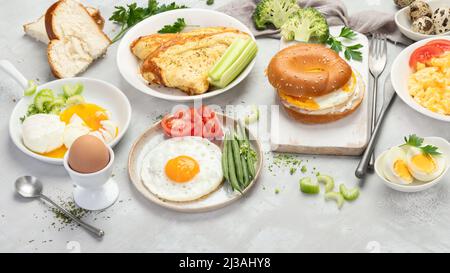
(424, 167)
(396, 166)
(182, 169)
(43, 133)
(88, 154)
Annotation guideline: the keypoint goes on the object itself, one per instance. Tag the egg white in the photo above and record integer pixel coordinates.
(394, 154)
(421, 175)
(207, 154)
(43, 133)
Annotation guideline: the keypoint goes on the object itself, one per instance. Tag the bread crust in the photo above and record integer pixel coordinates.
(308, 70)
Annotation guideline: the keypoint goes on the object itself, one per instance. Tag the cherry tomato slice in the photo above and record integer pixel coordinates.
(206, 113)
(441, 43)
(212, 129)
(175, 127)
(424, 54)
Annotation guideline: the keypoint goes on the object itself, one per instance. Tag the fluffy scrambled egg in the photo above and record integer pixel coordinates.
(430, 84)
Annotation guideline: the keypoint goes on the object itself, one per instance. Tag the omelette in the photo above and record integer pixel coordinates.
(183, 60)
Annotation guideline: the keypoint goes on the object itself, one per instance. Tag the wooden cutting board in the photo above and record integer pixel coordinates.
(348, 136)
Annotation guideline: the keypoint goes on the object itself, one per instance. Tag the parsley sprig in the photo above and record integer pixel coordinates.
(415, 141)
(129, 15)
(176, 27)
(350, 52)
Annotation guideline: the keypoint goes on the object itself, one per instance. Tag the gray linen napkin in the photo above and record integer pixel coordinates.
(366, 22)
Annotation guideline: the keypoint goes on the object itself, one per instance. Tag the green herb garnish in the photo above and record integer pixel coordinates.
(350, 52)
(129, 15)
(415, 141)
(210, 2)
(176, 27)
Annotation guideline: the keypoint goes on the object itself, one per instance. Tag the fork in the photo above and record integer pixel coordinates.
(377, 63)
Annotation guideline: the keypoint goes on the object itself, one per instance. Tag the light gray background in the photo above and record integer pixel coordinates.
(380, 220)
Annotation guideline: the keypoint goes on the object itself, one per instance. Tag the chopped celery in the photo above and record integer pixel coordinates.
(237, 66)
(309, 187)
(77, 99)
(349, 194)
(327, 180)
(228, 58)
(31, 89)
(72, 90)
(335, 196)
(253, 116)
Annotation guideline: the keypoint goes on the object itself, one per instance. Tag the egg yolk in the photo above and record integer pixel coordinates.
(58, 153)
(401, 169)
(90, 113)
(182, 168)
(424, 163)
(350, 85)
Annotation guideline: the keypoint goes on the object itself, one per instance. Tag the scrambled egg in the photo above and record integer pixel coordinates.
(430, 84)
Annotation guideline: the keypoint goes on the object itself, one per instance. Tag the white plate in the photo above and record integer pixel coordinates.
(402, 71)
(217, 199)
(404, 22)
(416, 186)
(95, 91)
(129, 65)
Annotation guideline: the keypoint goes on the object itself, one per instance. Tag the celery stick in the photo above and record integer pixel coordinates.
(327, 180)
(309, 187)
(335, 196)
(228, 58)
(238, 66)
(31, 89)
(349, 194)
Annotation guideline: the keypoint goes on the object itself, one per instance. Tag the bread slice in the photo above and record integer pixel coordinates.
(75, 38)
(37, 29)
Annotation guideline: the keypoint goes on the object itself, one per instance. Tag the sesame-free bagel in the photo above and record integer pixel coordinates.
(308, 70)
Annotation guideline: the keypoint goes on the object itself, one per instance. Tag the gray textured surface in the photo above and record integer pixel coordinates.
(380, 220)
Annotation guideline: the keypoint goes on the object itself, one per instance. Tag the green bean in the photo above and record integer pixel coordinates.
(232, 174)
(250, 160)
(225, 159)
(237, 161)
(349, 194)
(327, 180)
(245, 171)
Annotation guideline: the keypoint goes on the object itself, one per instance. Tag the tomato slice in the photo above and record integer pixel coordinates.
(424, 54)
(441, 43)
(212, 129)
(175, 127)
(206, 113)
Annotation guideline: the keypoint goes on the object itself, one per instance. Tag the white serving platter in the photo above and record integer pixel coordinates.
(348, 136)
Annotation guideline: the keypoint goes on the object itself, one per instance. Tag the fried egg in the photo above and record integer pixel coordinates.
(395, 167)
(424, 167)
(182, 169)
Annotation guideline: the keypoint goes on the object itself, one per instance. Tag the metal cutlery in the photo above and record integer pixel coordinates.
(377, 63)
(388, 98)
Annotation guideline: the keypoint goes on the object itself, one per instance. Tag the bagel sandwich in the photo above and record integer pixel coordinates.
(314, 84)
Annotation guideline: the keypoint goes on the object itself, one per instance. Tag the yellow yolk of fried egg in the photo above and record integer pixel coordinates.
(396, 168)
(182, 168)
(429, 86)
(424, 167)
(326, 101)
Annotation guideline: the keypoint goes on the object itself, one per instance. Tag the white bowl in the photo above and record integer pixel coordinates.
(402, 71)
(404, 22)
(416, 186)
(96, 91)
(129, 65)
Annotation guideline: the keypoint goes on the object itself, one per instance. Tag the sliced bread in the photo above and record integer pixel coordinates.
(37, 29)
(75, 38)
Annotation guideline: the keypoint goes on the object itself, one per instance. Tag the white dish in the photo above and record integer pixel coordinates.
(416, 186)
(95, 91)
(404, 22)
(128, 64)
(402, 71)
(221, 197)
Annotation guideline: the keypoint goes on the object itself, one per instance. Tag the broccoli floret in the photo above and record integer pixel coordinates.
(306, 25)
(274, 12)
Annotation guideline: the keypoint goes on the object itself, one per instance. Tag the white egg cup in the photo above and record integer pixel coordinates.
(94, 191)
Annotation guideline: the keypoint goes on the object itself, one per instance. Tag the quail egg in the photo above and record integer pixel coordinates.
(419, 9)
(423, 25)
(441, 19)
(403, 3)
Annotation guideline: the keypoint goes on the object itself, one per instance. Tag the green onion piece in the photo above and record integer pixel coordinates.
(349, 194)
(335, 196)
(228, 58)
(77, 99)
(327, 180)
(309, 187)
(72, 90)
(31, 89)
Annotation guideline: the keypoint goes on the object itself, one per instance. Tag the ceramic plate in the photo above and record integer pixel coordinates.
(95, 91)
(129, 65)
(217, 199)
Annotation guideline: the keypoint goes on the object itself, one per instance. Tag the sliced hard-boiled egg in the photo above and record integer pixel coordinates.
(424, 167)
(396, 167)
(74, 130)
(107, 132)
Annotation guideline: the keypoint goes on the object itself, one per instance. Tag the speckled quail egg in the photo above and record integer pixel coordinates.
(403, 3)
(441, 19)
(424, 25)
(419, 9)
